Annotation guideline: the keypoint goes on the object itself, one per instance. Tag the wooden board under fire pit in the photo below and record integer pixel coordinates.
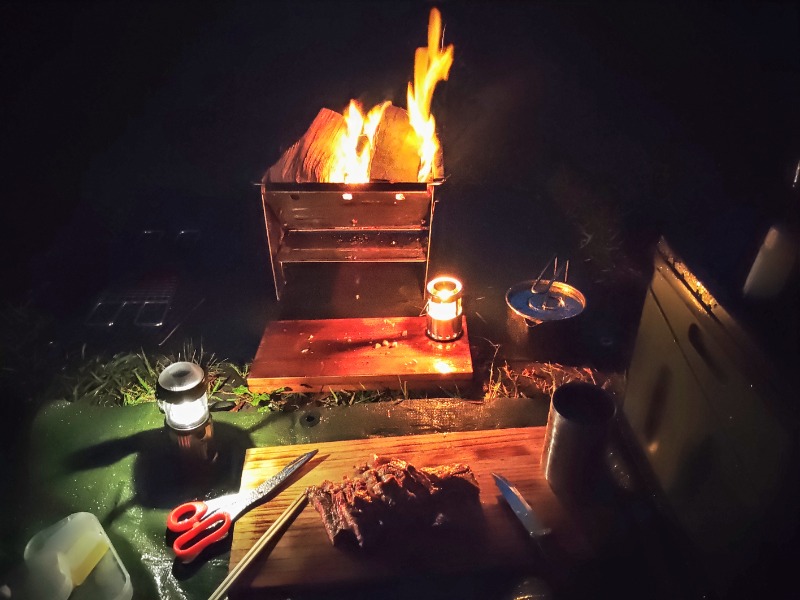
(355, 354)
(304, 556)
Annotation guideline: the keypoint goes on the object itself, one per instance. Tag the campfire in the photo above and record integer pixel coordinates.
(359, 186)
(387, 143)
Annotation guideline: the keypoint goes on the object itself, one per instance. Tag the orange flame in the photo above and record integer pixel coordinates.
(354, 149)
(431, 65)
(355, 146)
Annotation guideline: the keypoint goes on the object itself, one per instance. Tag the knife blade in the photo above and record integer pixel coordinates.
(521, 508)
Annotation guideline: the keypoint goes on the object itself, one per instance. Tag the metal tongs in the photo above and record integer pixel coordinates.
(538, 298)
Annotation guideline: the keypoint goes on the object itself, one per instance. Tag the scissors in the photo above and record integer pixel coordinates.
(201, 523)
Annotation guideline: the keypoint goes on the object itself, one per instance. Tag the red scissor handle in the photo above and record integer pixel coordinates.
(186, 516)
(200, 535)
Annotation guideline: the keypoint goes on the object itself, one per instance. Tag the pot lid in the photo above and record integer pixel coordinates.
(560, 301)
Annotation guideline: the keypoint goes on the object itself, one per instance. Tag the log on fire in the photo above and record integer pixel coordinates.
(310, 158)
(395, 157)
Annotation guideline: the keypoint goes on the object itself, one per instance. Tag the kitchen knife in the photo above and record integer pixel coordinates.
(521, 508)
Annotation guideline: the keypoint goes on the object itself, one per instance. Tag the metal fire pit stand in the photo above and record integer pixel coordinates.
(342, 223)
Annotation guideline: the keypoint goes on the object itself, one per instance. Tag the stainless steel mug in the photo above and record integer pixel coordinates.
(578, 426)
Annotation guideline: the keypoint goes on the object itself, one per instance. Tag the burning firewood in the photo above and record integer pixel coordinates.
(388, 144)
(396, 155)
(311, 158)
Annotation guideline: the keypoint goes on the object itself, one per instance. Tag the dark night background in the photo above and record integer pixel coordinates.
(623, 120)
(123, 115)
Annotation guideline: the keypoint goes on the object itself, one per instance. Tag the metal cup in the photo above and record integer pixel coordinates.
(578, 427)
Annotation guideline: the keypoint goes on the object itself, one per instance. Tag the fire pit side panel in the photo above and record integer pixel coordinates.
(335, 223)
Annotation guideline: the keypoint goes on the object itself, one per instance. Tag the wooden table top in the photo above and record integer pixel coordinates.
(304, 556)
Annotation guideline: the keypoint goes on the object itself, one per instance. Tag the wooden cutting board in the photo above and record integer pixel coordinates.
(304, 556)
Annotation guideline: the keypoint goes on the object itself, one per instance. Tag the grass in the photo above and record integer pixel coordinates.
(536, 379)
(262, 401)
(33, 372)
(39, 372)
(129, 379)
(362, 396)
(501, 381)
(126, 379)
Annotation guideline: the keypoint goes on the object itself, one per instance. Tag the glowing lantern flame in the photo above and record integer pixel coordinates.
(431, 65)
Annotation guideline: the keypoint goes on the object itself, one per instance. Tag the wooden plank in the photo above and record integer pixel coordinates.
(304, 556)
(341, 354)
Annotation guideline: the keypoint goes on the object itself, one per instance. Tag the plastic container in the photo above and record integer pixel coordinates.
(74, 560)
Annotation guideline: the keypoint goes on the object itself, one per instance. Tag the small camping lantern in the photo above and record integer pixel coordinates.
(181, 393)
(444, 309)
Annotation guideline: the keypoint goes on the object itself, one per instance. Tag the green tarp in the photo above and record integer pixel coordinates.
(119, 464)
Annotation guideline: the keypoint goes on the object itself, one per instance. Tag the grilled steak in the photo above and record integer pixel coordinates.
(391, 494)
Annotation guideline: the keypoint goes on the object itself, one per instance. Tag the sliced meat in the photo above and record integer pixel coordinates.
(322, 500)
(389, 493)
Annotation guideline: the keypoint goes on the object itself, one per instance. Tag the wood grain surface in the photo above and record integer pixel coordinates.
(341, 354)
(304, 556)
